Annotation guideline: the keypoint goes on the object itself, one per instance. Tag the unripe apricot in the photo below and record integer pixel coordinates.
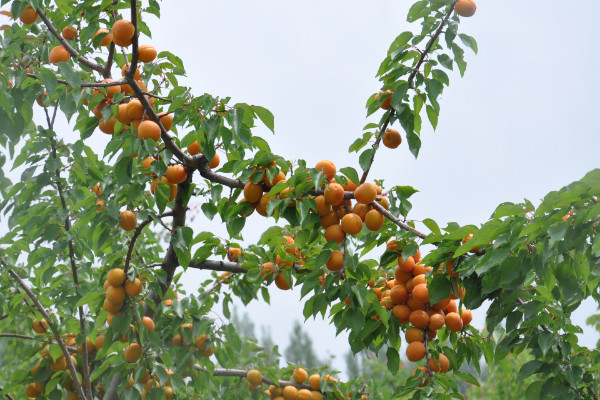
(366, 193)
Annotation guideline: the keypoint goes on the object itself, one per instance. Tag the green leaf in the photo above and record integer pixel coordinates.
(365, 159)
(414, 143)
(433, 115)
(70, 74)
(350, 174)
(529, 368)
(49, 79)
(469, 41)
(265, 116)
(446, 61)
(432, 225)
(393, 360)
(418, 10)
(439, 288)
(124, 170)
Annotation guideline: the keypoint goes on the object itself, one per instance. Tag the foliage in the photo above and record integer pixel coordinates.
(80, 237)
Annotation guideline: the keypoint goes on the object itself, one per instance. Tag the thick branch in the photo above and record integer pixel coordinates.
(109, 61)
(240, 373)
(74, 53)
(213, 265)
(57, 337)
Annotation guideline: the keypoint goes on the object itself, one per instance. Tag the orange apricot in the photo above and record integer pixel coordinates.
(415, 351)
(391, 138)
(327, 167)
(334, 194)
(419, 318)
(366, 193)
(106, 39)
(147, 53)
(149, 130)
(465, 8)
(442, 364)
(59, 54)
(374, 220)
(352, 224)
(335, 261)
(453, 322)
(28, 17)
(123, 31)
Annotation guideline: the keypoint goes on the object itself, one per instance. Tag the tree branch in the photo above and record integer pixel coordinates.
(411, 78)
(74, 53)
(15, 335)
(136, 234)
(396, 220)
(57, 337)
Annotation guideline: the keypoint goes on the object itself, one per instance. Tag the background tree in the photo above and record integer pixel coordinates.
(102, 291)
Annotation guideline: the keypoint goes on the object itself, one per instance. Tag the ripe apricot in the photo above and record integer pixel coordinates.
(99, 342)
(304, 394)
(133, 352)
(327, 167)
(40, 326)
(402, 312)
(467, 316)
(115, 294)
(254, 376)
(147, 53)
(329, 219)
(361, 210)
(290, 393)
(387, 103)
(314, 381)
(148, 322)
(267, 270)
(163, 179)
(28, 17)
(214, 163)
(128, 221)
(116, 277)
(233, 254)
(442, 364)
(451, 307)
(106, 39)
(166, 120)
(279, 177)
(334, 194)
(133, 289)
(111, 307)
(69, 32)
(136, 75)
(415, 304)
(415, 351)
(323, 208)
(419, 269)
(421, 292)
(352, 224)
(282, 282)
(414, 335)
(123, 31)
(406, 265)
(391, 138)
(383, 201)
(59, 54)
(449, 270)
(419, 318)
(176, 174)
(149, 130)
(374, 220)
(399, 294)
(300, 375)
(107, 127)
(465, 8)
(252, 191)
(122, 115)
(453, 322)
(423, 375)
(194, 148)
(335, 261)
(366, 193)
(335, 233)
(401, 276)
(474, 249)
(135, 110)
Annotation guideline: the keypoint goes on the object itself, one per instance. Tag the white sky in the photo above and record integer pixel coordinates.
(517, 126)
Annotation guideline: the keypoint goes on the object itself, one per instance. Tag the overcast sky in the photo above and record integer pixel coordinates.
(519, 124)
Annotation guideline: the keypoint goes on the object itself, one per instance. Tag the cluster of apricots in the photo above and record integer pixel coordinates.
(117, 287)
(150, 382)
(291, 392)
(407, 296)
(200, 342)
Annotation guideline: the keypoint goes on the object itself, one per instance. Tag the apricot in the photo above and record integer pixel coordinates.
(282, 283)
(252, 191)
(133, 352)
(419, 318)
(334, 194)
(122, 115)
(323, 208)
(133, 289)
(314, 381)
(401, 311)
(115, 294)
(467, 316)
(300, 375)
(28, 17)
(166, 120)
(387, 103)
(351, 224)
(329, 219)
(391, 138)
(176, 174)
(59, 54)
(128, 221)
(146, 53)
(453, 322)
(327, 167)
(254, 376)
(374, 220)
(149, 130)
(335, 261)
(69, 32)
(123, 31)
(335, 233)
(465, 8)
(116, 277)
(442, 364)
(107, 127)
(415, 351)
(106, 39)
(399, 294)
(421, 292)
(366, 193)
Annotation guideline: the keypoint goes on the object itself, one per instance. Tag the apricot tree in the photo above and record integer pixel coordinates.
(88, 291)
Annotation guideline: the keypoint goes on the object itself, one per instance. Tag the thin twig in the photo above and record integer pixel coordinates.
(136, 234)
